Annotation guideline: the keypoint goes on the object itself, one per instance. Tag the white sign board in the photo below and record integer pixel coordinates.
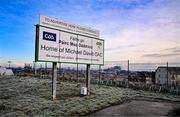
(58, 45)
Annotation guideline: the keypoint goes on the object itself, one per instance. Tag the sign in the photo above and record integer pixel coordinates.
(61, 25)
(59, 45)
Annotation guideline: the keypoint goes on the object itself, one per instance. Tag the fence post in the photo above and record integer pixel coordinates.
(177, 90)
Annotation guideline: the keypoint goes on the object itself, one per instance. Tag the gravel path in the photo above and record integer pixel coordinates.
(141, 108)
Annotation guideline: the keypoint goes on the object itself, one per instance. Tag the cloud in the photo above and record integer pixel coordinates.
(173, 49)
(167, 52)
(160, 55)
(177, 51)
(136, 27)
(120, 47)
(154, 25)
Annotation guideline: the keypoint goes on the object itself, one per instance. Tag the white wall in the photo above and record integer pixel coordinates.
(161, 76)
(4, 71)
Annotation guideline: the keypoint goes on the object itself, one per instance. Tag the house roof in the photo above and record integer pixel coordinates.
(172, 70)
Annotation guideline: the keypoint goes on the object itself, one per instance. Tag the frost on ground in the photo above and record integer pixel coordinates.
(27, 96)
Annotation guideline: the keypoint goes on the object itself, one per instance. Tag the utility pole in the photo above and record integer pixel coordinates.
(167, 74)
(128, 69)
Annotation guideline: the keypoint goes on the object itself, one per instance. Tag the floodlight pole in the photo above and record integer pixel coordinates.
(54, 80)
(88, 78)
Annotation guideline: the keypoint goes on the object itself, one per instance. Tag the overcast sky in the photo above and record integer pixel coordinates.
(139, 30)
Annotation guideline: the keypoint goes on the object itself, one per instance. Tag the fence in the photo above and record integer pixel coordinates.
(119, 73)
(140, 86)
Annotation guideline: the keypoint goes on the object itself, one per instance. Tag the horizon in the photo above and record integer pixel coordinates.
(150, 67)
(143, 31)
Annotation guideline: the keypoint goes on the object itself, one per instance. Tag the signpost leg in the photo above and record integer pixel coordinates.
(54, 80)
(77, 73)
(99, 73)
(34, 68)
(88, 78)
(46, 70)
(59, 75)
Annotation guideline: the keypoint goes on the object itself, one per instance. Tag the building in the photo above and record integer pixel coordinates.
(167, 75)
(4, 71)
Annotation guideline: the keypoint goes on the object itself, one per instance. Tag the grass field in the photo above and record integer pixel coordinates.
(27, 96)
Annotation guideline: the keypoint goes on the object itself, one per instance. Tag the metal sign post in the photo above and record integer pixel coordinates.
(35, 72)
(54, 80)
(77, 73)
(88, 78)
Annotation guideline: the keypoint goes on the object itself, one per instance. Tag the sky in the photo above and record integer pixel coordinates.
(138, 30)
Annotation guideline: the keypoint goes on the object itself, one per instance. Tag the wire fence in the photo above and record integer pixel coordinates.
(143, 74)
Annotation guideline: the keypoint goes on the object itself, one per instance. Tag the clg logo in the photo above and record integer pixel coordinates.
(49, 36)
